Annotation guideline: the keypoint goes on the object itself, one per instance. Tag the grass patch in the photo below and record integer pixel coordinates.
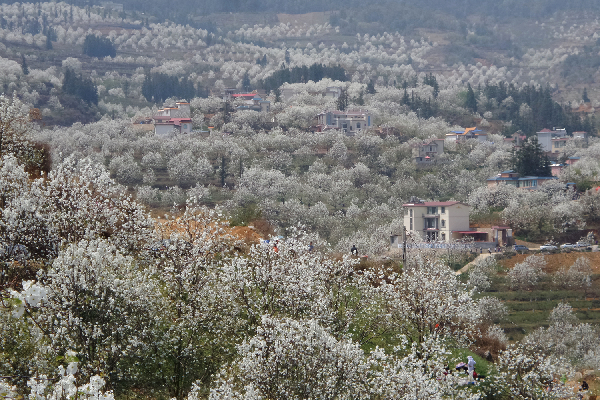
(482, 366)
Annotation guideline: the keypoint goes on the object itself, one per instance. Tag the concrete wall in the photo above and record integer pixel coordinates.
(545, 139)
(458, 217)
(164, 129)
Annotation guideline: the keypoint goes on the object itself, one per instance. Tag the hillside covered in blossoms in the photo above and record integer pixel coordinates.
(221, 200)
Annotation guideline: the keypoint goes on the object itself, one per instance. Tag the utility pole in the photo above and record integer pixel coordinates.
(404, 245)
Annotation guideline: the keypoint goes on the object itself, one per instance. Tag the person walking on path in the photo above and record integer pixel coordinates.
(354, 250)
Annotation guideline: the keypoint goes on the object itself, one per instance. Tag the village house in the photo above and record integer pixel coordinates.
(468, 133)
(349, 122)
(252, 101)
(428, 151)
(581, 135)
(511, 177)
(558, 167)
(447, 222)
(181, 110)
(173, 119)
(553, 141)
(436, 220)
(516, 139)
(178, 125)
(333, 92)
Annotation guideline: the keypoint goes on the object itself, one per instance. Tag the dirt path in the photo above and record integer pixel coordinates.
(480, 257)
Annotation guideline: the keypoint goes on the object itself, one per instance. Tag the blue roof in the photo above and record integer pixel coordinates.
(528, 178)
(525, 178)
(473, 131)
(500, 178)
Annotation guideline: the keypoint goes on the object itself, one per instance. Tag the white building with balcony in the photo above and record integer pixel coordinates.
(428, 151)
(443, 221)
(349, 122)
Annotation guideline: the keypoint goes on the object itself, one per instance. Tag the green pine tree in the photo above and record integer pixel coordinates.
(585, 97)
(530, 160)
(371, 87)
(246, 82)
(471, 101)
(360, 100)
(277, 95)
(24, 66)
(342, 101)
(405, 98)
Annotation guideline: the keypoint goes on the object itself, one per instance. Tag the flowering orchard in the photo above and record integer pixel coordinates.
(99, 299)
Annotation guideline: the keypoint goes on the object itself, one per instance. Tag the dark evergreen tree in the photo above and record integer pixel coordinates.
(342, 101)
(100, 47)
(545, 112)
(371, 87)
(405, 98)
(277, 95)
(585, 97)
(430, 80)
(360, 100)
(530, 159)
(159, 87)
(246, 82)
(471, 101)
(315, 73)
(24, 66)
(78, 86)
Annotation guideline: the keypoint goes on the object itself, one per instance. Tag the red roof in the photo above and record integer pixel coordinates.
(431, 204)
(468, 232)
(545, 130)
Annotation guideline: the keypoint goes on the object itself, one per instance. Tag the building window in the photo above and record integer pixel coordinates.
(443, 236)
(431, 210)
(358, 125)
(410, 212)
(443, 210)
(443, 223)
